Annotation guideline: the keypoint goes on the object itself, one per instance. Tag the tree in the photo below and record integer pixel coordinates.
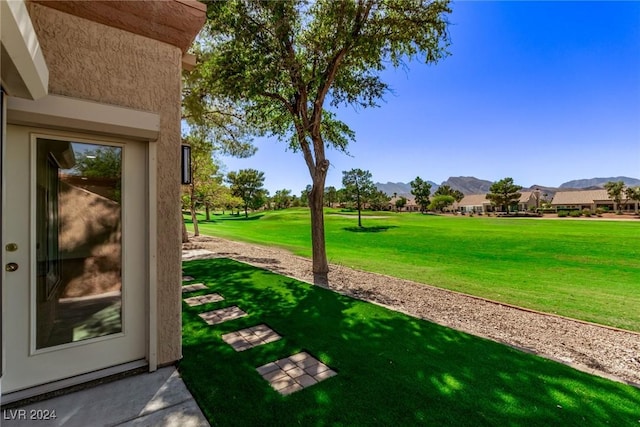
(441, 202)
(104, 163)
(247, 185)
(205, 179)
(282, 199)
(504, 193)
(359, 187)
(282, 62)
(616, 192)
(378, 200)
(421, 190)
(401, 203)
(330, 193)
(258, 200)
(446, 190)
(213, 125)
(633, 194)
(304, 195)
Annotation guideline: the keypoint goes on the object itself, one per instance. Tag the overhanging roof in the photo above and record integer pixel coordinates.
(176, 22)
(23, 69)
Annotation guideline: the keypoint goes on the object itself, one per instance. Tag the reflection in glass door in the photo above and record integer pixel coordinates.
(78, 241)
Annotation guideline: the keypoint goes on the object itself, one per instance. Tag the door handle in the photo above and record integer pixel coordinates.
(12, 266)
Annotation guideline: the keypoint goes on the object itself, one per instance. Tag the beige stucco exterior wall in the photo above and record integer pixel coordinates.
(92, 61)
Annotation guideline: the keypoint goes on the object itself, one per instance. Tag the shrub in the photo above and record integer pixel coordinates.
(575, 214)
(563, 214)
(586, 212)
(599, 211)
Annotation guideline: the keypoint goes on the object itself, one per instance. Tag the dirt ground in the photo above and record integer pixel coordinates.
(596, 349)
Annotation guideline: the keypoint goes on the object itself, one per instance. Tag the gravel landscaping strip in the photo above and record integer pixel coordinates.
(596, 349)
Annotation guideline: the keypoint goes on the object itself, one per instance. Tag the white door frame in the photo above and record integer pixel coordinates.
(90, 118)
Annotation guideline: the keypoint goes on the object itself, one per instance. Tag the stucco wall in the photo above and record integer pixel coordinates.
(95, 62)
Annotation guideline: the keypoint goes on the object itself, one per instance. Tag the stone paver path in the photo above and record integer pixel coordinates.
(203, 299)
(222, 315)
(286, 375)
(194, 287)
(295, 372)
(251, 337)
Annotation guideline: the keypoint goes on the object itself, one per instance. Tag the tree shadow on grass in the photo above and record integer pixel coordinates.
(392, 369)
(242, 218)
(374, 229)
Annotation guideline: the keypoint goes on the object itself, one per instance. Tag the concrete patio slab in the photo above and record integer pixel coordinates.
(151, 399)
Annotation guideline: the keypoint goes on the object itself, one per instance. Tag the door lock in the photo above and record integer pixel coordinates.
(11, 247)
(12, 266)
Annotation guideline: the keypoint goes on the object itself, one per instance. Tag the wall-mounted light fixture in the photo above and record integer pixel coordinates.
(186, 164)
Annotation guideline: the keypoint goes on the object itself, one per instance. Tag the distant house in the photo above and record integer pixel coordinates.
(589, 199)
(528, 200)
(410, 206)
(474, 203)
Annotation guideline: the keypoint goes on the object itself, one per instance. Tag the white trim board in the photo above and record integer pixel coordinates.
(70, 114)
(24, 70)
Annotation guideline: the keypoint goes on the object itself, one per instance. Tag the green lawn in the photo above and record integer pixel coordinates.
(392, 369)
(587, 270)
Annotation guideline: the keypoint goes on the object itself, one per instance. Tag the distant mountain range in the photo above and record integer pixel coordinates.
(599, 182)
(473, 185)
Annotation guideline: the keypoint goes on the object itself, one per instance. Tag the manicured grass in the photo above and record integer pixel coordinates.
(392, 369)
(587, 270)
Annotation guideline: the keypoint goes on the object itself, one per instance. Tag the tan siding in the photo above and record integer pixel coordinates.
(92, 61)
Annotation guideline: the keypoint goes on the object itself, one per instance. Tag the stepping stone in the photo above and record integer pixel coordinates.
(295, 373)
(222, 315)
(191, 254)
(203, 299)
(187, 278)
(194, 287)
(245, 339)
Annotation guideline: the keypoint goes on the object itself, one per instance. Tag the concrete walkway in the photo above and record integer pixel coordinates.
(152, 399)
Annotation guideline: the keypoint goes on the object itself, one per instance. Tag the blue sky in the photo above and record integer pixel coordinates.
(544, 92)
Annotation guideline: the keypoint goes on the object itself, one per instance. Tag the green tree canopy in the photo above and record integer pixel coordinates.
(615, 189)
(446, 190)
(401, 203)
(633, 193)
(247, 184)
(378, 200)
(103, 163)
(331, 195)
(440, 202)
(421, 190)
(504, 193)
(283, 63)
(282, 199)
(358, 187)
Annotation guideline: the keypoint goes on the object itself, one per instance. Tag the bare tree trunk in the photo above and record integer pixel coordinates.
(320, 264)
(359, 208)
(208, 214)
(192, 208)
(185, 235)
(196, 231)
